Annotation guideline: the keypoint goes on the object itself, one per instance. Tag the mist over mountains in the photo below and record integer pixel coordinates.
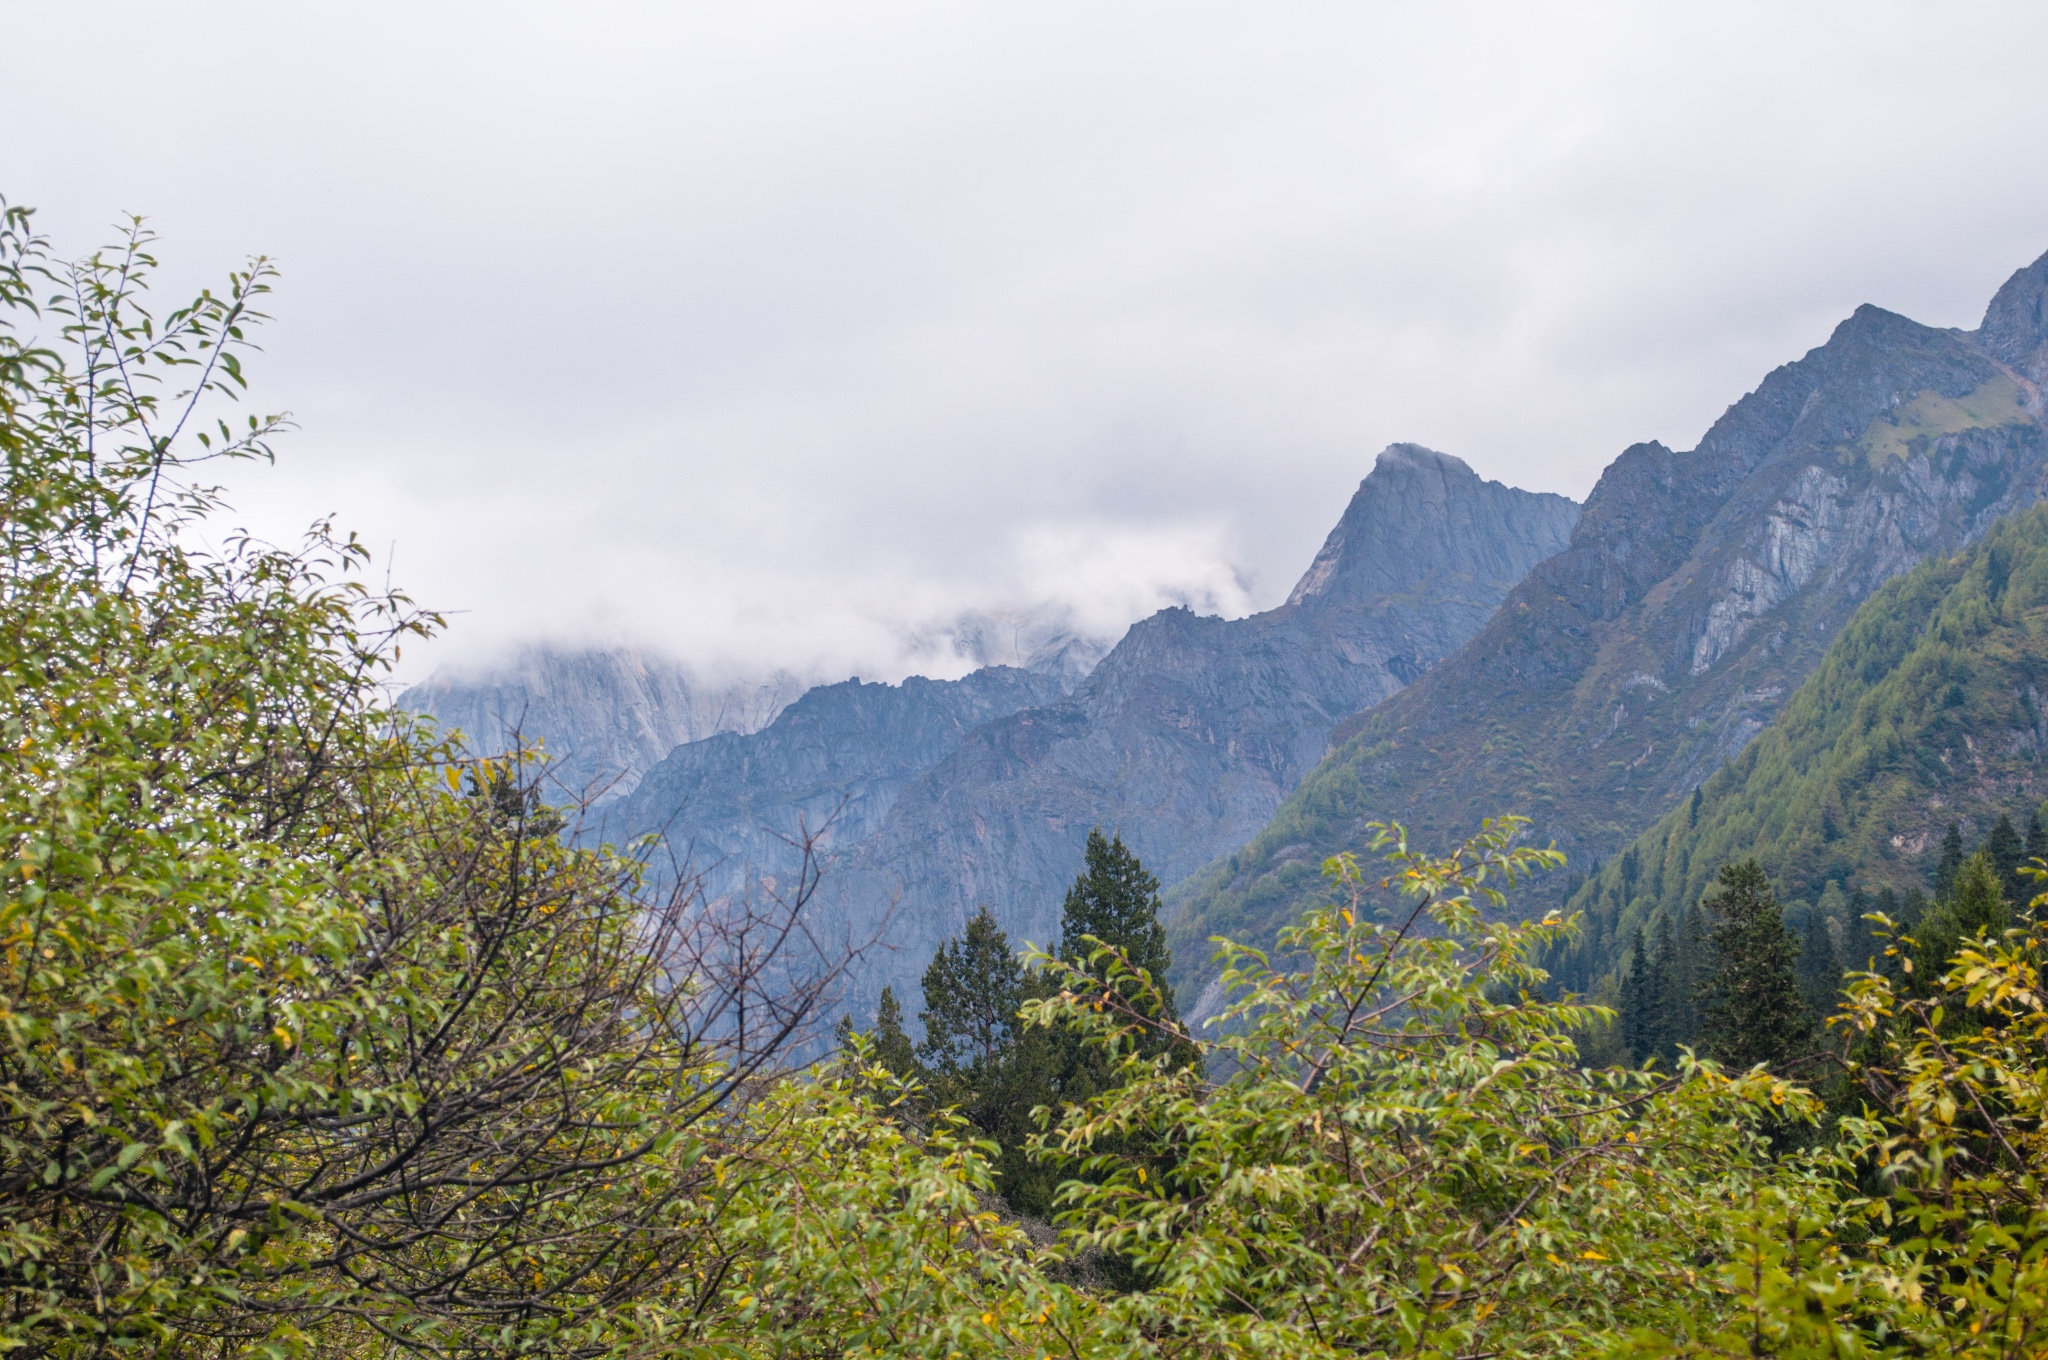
(934, 797)
(1457, 649)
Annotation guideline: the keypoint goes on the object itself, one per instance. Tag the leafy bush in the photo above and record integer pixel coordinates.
(308, 1030)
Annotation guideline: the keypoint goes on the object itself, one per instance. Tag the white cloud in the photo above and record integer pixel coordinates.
(775, 334)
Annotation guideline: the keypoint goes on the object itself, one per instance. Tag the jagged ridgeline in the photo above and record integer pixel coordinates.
(1699, 591)
(1929, 709)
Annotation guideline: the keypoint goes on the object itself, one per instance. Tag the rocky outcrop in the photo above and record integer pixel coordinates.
(602, 717)
(1699, 590)
(1186, 737)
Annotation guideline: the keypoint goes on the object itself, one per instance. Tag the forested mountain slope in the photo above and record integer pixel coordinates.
(1699, 590)
(1930, 709)
(1190, 732)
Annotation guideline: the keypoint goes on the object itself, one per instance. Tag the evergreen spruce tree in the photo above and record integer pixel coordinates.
(1691, 954)
(1975, 908)
(2034, 856)
(1672, 1021)
(1864, 950)
(1638, 1003)
(1751, 1011)
(972, 989)
(2008, 852)
(1949, 864)
(1116, 902)
(893, 1048)
(889, 1046)
(978, 1057)
(1113, 902)
(1820, 968)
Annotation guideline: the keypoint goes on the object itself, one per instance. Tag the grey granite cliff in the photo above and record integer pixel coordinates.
(1699, 590)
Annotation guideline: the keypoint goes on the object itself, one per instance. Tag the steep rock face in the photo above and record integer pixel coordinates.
(1927, 709)
(1698, 591)
(1189, 733)
(603, 717)
(832, 764)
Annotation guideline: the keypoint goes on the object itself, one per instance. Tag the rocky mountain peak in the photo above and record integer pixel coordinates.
(1700, 589)
(1420, 515)
(2015, 330)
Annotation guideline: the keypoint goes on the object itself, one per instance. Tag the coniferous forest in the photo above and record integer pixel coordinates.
(325, 1035)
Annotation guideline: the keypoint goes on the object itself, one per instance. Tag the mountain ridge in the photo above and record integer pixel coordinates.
(1698, 590)
(1190, 731)
(830, 766)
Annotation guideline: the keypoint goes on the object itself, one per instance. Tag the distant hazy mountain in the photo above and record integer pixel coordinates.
(1043, 639)
(1700, 589)
(1928, 709)
(604, 716)
(833, 762)
(1190, 732)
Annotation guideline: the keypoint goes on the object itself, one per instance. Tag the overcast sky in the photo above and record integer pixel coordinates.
(770, 334)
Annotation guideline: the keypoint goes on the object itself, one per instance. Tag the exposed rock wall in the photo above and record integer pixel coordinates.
(1699, 590)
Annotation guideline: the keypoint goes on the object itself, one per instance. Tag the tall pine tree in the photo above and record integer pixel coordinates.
(888, 1045)
(1950, 863)
(972, 989)
(1691, 955)
(1975, 907)
(1116, 903)
(893, 1048)
(978, 1057)
(1750, 1008)
(1653, 1015)
(2034, 856)
(1820, 968)
(1638, 1002)
(2008, 852)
